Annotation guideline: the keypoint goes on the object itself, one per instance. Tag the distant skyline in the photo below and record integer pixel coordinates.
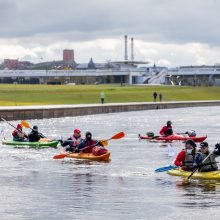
(167, 32)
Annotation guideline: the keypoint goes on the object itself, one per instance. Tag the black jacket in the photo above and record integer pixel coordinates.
(35, 136)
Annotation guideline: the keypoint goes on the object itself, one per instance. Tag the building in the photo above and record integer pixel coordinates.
(68, 56)
(10, 64)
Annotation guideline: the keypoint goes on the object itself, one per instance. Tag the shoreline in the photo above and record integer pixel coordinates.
(58, 111)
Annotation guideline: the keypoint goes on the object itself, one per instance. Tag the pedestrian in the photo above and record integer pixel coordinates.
(155, 96)
(160, 97)
(102, 97)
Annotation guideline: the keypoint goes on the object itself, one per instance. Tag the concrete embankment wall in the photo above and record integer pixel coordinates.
(57, 111)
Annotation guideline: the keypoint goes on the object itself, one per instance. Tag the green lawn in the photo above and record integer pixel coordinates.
(12, 95)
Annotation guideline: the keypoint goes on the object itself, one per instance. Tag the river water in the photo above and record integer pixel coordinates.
(34, 186)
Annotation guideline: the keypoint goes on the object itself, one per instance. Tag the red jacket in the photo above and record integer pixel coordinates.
(180, 158)
(165, 129)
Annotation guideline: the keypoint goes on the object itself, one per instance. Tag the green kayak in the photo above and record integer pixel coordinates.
(40, 144)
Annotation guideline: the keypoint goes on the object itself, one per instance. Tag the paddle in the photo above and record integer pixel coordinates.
(186, 181)
(116, 136)
(163, 169)
(13, 126)
(26, 125)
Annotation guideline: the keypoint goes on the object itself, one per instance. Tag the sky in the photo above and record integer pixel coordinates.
(166, 32)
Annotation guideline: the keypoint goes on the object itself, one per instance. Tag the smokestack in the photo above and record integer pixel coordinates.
(126, 48)
(132, 49)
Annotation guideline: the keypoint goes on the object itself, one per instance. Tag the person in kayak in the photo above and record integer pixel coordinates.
(71, 143)
(185, 158)
(34, 135)
(167, 130)
(87, 145)
(18, 134)
(209, 164)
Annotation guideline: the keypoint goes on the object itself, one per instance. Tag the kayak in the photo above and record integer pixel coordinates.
(174, 137)
(211, 175)
(40, 144)
(90, 156)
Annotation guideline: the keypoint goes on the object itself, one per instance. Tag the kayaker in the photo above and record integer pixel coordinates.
(87, 145)
(18, 134)
(185, 157)
(210, 164)
(70, 144)
(34, 135)
(167, 130)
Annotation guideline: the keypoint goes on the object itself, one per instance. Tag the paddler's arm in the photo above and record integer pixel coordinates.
(180, 158)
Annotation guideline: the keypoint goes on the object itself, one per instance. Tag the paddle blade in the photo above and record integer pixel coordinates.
(163, 169)
(25, 124)
(118, 136)
(183, 182)
(104, 142)
(59, 156)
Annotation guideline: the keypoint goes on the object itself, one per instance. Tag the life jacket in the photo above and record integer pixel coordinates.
(89, 145)
(76, 141)
(209, 164)
(188, 161)
(15, 133)
(169, 131)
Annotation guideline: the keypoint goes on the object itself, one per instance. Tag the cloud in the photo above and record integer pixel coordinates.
(164, 31)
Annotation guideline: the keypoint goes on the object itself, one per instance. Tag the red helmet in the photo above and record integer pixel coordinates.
(77, 131)
(19, 126)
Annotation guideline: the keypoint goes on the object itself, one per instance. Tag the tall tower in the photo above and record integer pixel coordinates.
(132, 49)
(126, 47)
(68, 56)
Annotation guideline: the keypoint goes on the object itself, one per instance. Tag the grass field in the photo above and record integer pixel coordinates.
(15, 94)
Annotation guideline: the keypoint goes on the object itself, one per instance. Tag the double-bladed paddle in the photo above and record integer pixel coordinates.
(115, 137)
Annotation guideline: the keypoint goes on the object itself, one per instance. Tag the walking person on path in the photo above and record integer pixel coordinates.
(160, 97)
(155, 96)
(102, 97)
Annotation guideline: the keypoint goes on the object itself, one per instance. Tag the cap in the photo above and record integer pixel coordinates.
(169, 122)
(204, 144)
(77, 130)
(19, 126)
(35, 127)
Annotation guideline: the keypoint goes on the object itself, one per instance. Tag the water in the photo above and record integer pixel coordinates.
(34, 186)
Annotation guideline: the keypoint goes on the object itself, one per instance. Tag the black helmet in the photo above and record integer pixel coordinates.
(169, 122)
(88, 135)
(35, 127)
(191, 142)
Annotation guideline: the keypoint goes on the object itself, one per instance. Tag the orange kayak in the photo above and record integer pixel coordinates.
(90, 156)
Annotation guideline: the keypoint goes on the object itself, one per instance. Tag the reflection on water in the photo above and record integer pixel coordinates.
(34, 186)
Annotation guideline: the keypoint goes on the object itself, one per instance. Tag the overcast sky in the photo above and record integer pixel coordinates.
(167, 32)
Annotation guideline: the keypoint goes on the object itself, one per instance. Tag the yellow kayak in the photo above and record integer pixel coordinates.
(211, 175)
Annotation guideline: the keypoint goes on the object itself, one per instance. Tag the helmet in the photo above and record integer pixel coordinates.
(35, 127)
(77, 131)
(204, 144)
(191, 142)
(88, 135)
(19, 126)
(169, 122)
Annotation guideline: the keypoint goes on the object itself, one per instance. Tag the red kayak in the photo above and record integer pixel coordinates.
(174, 137)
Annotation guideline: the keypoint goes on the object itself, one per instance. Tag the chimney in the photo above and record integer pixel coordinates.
(126, 48)
(132, 49)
